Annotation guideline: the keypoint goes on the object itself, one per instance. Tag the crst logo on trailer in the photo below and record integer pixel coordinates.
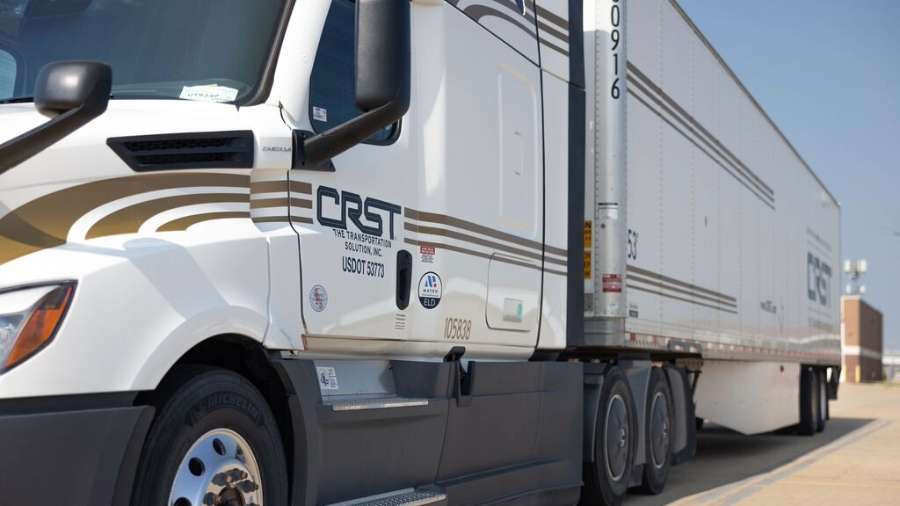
(818, 280)
(347, 205)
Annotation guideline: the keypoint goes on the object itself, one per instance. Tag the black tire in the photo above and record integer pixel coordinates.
(606, 479)
(660, 416)
(809, 402)
(698, 423)
(823, 400)
(195, 404)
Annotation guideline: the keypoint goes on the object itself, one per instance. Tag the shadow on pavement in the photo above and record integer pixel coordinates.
(725, 457)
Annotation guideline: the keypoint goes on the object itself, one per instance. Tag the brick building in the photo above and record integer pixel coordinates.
(862, 341)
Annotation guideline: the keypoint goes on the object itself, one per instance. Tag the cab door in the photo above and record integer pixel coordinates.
(478, 225)
(349, 216)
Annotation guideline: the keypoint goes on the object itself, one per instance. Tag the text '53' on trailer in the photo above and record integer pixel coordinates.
(392, 252)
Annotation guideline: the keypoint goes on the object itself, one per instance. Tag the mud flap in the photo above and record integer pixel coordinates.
(685, 434)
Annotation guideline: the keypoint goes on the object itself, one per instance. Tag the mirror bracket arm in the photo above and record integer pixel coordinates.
(300, 160)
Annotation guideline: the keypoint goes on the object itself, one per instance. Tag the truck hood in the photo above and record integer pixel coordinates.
(84, 154)
(46, 201)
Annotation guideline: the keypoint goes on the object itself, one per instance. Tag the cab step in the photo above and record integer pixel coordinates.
(407, 497)
(376, 403)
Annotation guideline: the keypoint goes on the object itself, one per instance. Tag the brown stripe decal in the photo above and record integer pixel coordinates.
(301, 187)
(481, 242)
(479, 229)
(673, 281)
(282, 219)
(268, 186)
(659, 285)
(545, 28)
(280, 202)
(130, 219)
(737, 176)
(649, 88)
(654, 292)
(649, 83)
(464, 251)
(553, 18)
(554, 47)
(45, 222)
(181, 224)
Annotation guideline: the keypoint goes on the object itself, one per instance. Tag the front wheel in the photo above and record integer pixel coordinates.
(214, 442)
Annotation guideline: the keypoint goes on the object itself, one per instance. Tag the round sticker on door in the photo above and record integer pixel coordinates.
(430, 290)
(318, 298)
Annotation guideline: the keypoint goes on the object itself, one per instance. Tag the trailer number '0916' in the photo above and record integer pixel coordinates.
(458, 329)
(616, 37)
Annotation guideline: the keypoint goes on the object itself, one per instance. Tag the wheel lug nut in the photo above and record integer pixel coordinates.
(247, 486)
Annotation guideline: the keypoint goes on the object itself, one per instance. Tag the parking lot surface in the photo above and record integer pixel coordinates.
(856, 460)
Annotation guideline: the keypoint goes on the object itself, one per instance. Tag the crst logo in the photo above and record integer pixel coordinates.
(818, 280)
(346, 205)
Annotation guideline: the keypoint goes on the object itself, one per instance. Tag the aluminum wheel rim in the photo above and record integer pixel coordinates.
(220, 469)
(617, 444)
(659, 430)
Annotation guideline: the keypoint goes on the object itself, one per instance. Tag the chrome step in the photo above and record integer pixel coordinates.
(378, 403)
(402, 498)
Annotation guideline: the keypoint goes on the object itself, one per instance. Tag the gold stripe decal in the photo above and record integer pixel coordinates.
(268, 186)
(45, 222)
(130, 219)
(182, 224)
(672, 281)
(464, 251)
(280, 202)
(479, 229)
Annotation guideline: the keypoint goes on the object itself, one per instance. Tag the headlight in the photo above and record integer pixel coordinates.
(29, 318)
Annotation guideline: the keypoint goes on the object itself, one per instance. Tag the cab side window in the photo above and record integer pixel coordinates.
(331, 92)
(7, 75)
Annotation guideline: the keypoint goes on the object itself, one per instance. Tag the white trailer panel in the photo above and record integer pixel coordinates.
(732, 241)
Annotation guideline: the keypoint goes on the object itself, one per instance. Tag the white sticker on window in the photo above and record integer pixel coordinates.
(320, 114)
(327, 378)
(209, 93)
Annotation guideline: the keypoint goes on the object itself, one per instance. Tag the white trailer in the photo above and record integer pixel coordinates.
(390, 252)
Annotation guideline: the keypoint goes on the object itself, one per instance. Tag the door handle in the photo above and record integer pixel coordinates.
(404, 278)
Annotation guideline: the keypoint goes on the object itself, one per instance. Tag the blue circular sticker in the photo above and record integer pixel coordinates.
(430, 290)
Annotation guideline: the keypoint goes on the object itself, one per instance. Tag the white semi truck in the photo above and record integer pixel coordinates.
(459, 252)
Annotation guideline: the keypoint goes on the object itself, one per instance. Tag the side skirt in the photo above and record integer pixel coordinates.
(494, 433)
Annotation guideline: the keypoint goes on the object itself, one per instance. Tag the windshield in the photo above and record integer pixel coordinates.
(210, 50)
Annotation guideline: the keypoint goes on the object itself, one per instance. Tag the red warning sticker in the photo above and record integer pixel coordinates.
(612, 283)
(426, 250)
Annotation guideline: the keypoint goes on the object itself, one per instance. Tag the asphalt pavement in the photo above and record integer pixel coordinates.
(856, 460)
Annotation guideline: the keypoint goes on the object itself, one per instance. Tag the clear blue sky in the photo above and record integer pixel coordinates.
(828, 73)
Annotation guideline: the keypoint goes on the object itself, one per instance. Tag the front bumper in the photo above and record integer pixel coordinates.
(73, 450)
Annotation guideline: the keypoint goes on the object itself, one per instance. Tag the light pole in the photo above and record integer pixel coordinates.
(855, 269)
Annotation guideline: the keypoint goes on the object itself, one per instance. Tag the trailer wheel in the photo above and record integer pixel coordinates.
(659, 431)
(214, 441)
(606, 479)
(809, 402)
(823, 400)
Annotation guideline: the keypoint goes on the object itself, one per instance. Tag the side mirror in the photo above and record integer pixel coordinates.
(71, 93)
(68, 85)
(382, 78)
